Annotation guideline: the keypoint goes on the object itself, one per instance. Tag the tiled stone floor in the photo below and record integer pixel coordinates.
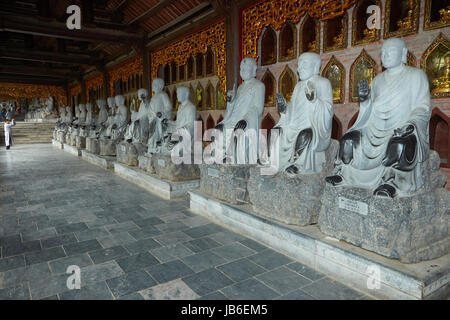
(57, 210)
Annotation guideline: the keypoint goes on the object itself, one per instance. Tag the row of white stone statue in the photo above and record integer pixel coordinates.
(384, 150)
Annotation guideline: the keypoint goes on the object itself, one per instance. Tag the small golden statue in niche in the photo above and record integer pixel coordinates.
(442, 84)
(445, 14)
(338, 40)
(312, 46)
(336, 94)
(406, 23)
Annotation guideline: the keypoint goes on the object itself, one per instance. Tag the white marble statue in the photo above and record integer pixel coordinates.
(160, 112)
(185, 122)
(245, 107)
(100, 122)
(306, 122)
(388, 145)
(121, 119)
(111, 118)
(137, 130)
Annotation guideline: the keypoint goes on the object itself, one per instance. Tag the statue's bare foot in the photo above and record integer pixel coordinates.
(292, 170)
(385, 190)
(334, 180)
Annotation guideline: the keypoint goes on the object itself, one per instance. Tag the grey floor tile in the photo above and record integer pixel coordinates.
(172, 238)
(214, 296)
(12, 263)
(96, 291)
(90, 234)
(207, 281)
(202, 244)
(226, 237)
(146, 233)
(100, 272)
(44, 255)
(81, 247)
(205, 230)
(25, 274)
(305, 271)
(103, 255)
(171, 252)
(39, 234)
(46, 287)
(117, 239)
(59, 240)
(19, 292)
(130, 283)
(233, 251)
(283, 280)
(14, 249)
(254, 245)
(241, 270)
(137, 261)
(203, 260)
(73, 227)
(60, 266)
(132, 296)
(143, 245)
(169, 271)
(327, 289)
(296, 295)
(270, 259)
(250, 289)
(149, 222)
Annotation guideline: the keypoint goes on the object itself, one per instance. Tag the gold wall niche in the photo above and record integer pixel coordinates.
(309, 35)
(209, 97)
(287, 82)
(437, 14)
(335, 72)
(268, 47)
(364, 67)
(124, 70)
(335, 34)
(210, 62)
(361, 34)
(200, 95)
(287, 42)
(221, 103)
(269, 82)
(192, 95)
(190, 66)
(436, 63)
(401, 18)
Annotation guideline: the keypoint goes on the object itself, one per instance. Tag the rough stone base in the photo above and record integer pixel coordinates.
(61, 137)
(57, 144)
(93, 145)
(225, 182)
(104, 162)
(292, 200)
(412, 229)
(45, 120)
(107, 147)
(346, 263)
(128, 153)
(163, 167)
(71, 149)
(163, 188)
(80, 142)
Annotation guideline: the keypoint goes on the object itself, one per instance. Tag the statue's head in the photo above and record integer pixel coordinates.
(81, 107)
(101, 103)
(111, 102)
(68, 109)
(393, 53)
(120, 100)
(142, 94)
(182, 94)
(309, 65)
(157, 85)
(248, 68)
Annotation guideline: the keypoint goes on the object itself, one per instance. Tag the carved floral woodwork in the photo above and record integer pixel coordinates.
(434, 64)
(276, 13)
(93, 84)
(198, 43)
(75, 91)
(28, 91)
(124, 70)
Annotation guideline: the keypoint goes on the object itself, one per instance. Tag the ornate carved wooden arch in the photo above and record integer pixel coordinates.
(220, 101)
(440, 142)
(209, 97)
(305, 31)
(343, 38)
(332, 65)
(268, 47)
(441, 42)
(200, 96)
(270, 83)
(372, 71)
(287, 82)
(356, 25)
(288, 31)
(210, 122)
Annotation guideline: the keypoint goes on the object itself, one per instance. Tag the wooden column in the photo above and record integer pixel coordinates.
(232, 43)
(146, 72)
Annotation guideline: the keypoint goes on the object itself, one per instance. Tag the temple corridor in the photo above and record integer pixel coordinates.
(57, 210)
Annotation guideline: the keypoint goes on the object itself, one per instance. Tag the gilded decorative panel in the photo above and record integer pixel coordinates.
(361, 34)
(28, 91)
(364, 67)
(269, 82)
(406, 16)
(310, 35)
(436, 63)
(124, 71)
(288, 42)
(335, 34)
(286, 83)
(194, 44)
(276, 13)
(335, 72)
(93, 84)
(437, 14)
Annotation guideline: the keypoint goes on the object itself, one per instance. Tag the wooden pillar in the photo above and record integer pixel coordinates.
(83, 91)
(147, 69)
(232, 43)
(106, 84)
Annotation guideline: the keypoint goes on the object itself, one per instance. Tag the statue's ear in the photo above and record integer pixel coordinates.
(405, 55)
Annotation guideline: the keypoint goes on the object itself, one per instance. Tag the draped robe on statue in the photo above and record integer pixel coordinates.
(186, 117)
(396, 100)
(248, 105)
(121, 122)
(135, 131)
(160, 102)
(302, 114)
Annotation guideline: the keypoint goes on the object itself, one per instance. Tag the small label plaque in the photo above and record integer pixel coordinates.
(213, 172)
(354, 206)
(161, 163)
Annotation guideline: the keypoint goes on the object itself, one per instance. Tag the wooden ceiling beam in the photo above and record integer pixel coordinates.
(36, 71)
(45, 56)
(150, 12)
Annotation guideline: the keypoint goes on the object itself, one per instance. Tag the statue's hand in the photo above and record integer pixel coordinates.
(281, 103)
(159, 114)
(242, 124)
(310, 91)
(114, 126)
(165, 122)
(219, 127)
(363, 90)
(404, 131)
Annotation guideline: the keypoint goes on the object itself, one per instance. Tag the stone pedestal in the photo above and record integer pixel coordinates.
(344, 262)
(107, 147)
(163, 188)
(128, 153)
(104, 162)
(412, 229)
(80, 142)
(293, 200)
(93, 145)
(61, 136)
(57, 144)
(72, 150)
(225, 182)
(162, 166)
